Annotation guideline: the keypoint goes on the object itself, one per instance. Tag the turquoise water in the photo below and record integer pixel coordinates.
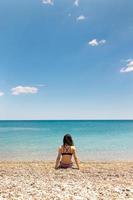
(39, 140)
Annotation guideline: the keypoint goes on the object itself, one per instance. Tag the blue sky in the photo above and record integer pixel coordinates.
(66, 59)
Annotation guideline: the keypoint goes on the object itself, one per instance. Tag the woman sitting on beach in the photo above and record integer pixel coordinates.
(65, 153)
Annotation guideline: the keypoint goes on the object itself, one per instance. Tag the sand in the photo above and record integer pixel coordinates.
(40, 181)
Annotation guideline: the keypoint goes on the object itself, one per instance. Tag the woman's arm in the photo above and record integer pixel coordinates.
(58, 159)
(76, 158)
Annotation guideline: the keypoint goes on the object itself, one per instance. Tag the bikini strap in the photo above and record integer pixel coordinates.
(69, 150)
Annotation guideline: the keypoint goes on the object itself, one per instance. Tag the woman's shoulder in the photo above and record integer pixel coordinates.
(60, 147)
(73, 148)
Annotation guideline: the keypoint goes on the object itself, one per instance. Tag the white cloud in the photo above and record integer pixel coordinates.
(76, 3)
(95, 42)
(50, 2)
(1, 94)
(24, 90)
(129, 66)
(102, 41)
(128, 60)
(80, 18)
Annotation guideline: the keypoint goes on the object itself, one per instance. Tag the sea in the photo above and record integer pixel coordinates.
(95, 140)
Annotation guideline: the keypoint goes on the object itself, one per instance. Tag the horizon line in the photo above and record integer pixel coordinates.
(66, 119)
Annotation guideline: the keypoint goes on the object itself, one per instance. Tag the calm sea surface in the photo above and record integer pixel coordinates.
(39, 140)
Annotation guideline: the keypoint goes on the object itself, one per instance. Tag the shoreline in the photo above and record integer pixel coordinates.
(38, 180)
(81, 162)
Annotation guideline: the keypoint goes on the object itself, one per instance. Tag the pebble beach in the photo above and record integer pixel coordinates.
(38, 180)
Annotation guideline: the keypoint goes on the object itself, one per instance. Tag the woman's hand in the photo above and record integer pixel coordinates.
(76, 158)
(58, 158)
(56, 167)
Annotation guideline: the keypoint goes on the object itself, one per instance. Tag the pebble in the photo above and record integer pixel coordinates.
(39, 181)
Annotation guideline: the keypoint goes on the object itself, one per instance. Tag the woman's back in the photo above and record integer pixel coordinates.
(67, 152)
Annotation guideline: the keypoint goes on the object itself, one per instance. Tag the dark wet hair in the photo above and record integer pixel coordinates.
(68, 140)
